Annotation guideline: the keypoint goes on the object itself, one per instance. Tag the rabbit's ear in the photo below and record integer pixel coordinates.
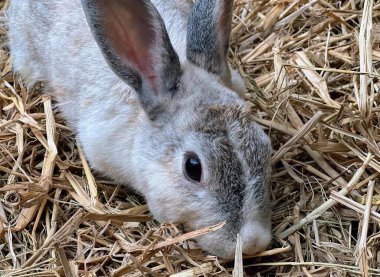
(135, 43)
(208, 36)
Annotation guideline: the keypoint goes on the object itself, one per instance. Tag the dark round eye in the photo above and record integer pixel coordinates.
(192, 167)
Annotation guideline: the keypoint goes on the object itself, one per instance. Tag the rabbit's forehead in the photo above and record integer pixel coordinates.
(225, 126)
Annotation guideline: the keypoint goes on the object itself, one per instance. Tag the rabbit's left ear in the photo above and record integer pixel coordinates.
(208, 36)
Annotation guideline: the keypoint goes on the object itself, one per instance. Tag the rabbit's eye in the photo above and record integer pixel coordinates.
(193, 167)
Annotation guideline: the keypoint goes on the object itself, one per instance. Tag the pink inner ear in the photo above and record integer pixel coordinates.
(131, 36)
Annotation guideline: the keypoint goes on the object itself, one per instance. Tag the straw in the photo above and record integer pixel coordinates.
(311, 69)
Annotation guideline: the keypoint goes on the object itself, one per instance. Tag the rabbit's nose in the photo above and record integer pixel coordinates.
(255, 238)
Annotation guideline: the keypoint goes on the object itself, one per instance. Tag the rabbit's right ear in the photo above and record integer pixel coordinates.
(208, 35)
(135, 43)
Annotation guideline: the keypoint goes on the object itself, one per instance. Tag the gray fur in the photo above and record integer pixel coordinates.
(208, 35)
(139, 138)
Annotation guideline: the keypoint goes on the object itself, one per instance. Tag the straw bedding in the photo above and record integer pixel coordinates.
(312, 72)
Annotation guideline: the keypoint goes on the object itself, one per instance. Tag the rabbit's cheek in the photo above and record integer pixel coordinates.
(165, 207)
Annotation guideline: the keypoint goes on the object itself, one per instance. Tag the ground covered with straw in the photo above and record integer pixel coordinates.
(312, 71)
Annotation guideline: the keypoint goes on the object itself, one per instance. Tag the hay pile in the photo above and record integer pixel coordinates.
(317, 66)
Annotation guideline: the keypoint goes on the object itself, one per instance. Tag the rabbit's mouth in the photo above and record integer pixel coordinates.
(255, 237)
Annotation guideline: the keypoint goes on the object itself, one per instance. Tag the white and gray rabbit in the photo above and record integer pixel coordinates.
(148, 90)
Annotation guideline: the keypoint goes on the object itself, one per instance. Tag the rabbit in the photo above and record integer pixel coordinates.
(148, 90)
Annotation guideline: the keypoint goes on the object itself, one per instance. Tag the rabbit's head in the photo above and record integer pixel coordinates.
(201, 160)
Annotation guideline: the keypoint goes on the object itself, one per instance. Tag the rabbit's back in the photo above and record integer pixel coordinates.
(43, 34)
(50, 41)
